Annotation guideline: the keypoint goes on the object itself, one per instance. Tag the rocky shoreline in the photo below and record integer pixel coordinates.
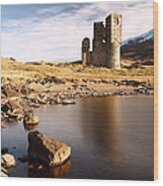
(18, 101)
(42, 152)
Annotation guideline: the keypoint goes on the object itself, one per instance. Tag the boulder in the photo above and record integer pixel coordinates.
(35, 105)
(68, 102)
(48, 151)
(10, 90)
(3, 96)
(58, 100)
(12, 106)
(33, 98)
(42, 99)
(4, 172)
(3, 126)
(36, 87)
(8, 161)
(25, 90)
(12, 115)
(7, 92)
(31, 119)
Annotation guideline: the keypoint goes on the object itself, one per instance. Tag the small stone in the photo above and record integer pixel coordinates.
(58, 101)
(8, 161)
(4, 172)
(68, 102)
(3, 126)
(31, 119)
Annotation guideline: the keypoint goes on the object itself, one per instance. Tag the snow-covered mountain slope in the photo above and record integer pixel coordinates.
(139, 39)
(139, 48)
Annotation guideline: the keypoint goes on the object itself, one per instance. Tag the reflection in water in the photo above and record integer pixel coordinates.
(29, 127)
(11, 124)
(104, 115)
(36, 170)
(111, 138)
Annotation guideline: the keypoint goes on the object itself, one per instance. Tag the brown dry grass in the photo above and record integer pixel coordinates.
(20, 72)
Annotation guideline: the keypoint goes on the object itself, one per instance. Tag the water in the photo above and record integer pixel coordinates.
(111, 138)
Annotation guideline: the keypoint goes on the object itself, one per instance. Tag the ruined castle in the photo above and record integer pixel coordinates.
(106, 43)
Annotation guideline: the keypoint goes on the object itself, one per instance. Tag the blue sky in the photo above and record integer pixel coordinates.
(54, 32)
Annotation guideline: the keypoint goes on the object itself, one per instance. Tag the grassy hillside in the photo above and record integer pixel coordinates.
(20, 72)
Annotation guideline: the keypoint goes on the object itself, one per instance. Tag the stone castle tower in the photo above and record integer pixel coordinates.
(106, 43)
(85, 51)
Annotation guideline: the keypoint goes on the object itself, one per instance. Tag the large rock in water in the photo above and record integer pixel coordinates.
(46, 150)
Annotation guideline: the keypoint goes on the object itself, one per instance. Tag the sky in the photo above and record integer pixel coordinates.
(54, 32)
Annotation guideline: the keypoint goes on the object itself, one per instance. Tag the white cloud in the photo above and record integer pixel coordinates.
(55, 33)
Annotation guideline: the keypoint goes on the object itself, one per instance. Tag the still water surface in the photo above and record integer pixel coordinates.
(111, 138)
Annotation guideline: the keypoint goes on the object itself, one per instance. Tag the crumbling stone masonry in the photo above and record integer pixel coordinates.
(106, 43)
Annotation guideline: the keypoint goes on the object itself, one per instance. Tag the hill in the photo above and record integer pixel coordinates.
(140, 48)
(20, 72)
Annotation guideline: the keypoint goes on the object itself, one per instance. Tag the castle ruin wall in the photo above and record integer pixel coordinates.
(106, 43)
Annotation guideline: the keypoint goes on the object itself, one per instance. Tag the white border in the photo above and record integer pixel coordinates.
(55, 1)
(65, 182)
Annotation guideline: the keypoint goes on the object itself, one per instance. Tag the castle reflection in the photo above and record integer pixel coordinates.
(106, 116)
(37, 170)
